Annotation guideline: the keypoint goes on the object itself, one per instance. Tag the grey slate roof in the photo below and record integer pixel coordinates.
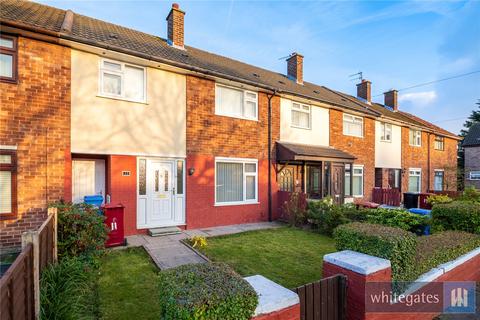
(473, 136)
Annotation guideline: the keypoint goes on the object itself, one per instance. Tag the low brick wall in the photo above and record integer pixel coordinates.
(361, 269)
(290, 313)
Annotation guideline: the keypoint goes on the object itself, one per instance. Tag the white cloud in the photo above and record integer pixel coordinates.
(420, 99)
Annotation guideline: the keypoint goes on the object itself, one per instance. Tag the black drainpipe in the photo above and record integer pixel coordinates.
(428, 164)
(270, 154)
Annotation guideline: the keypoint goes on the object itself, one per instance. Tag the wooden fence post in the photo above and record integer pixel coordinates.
(54, 212)
(33, 238)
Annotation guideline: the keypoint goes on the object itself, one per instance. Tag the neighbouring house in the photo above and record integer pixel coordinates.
(471, 147)
(183, 137)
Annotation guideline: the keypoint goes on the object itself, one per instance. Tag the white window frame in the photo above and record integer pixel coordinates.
(417, 138)
(353, 118)
(442, 143)
(301, 110)
(121, 73)
(419, 170)
(383, 131)
(474, 175)
(245, 99)
(244, 161)
(443, 178)
(362, 175)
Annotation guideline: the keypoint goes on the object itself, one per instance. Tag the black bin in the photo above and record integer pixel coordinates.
(410, 200)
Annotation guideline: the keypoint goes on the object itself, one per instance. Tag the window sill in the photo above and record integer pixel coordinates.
(236, 117)
(238, 203)
(298, 127)
(387, 141)
(352, 135)
(412, 145)
(122, 99)
(9, 80)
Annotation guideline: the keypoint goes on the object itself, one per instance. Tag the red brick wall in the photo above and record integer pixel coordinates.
(35, 116)
(414, 157)
(446, 160)
(210, 136)
(290, 313)
(123, 189)
(362, 148)
(468, 271)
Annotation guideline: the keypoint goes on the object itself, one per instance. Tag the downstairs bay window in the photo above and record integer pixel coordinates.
(236, 181)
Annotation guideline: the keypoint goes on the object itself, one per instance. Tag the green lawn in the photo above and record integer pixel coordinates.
(128, 286)
(288, 256)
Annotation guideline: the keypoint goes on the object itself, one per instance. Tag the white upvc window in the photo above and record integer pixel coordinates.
(352, 125)
(122, 81)
(415, 138)
(235, 102)
(301, 116)
(474, 175)
(439, 143)
(438, 179)
(385, 132)
(415, 180)
(356, 188)
(236, 181)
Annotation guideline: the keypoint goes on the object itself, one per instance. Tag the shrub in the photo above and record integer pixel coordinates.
(394, 244)
(325, 215)
(438, 198)
(206, 291)
(398, 218)
(66, 291)
(470, 194)
(198, 242)
(442, 247)
(295, 208)
(457, 215)
(81, 230)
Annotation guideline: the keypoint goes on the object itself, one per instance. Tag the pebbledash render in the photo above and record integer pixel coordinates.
(183, 137)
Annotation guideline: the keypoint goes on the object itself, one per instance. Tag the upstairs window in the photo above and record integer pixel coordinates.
(415, 138)
(385, 132)
(236, 103)
(301, 115)
(439, 143)
(8, 183)
(8, 58)
(352, 125)
(122, 81)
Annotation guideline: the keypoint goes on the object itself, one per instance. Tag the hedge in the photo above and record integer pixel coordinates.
(206, 291)
(457, 215)
(398, 218)
(394, 244)
(442, 247)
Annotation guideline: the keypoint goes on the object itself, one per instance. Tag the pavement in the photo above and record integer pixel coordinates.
(169, 252)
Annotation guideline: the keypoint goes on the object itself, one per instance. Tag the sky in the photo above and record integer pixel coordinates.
(394, 44)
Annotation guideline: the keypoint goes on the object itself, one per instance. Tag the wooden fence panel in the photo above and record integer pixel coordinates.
(16, 288)
(324, 299)
(389, 196)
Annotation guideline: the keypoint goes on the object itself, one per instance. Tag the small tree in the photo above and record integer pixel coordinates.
(295, 209)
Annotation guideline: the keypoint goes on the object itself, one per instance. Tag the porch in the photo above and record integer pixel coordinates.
(316, 171)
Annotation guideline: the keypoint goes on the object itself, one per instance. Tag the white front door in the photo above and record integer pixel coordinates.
(160, 193)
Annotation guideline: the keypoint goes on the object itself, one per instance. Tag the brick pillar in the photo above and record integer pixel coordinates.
(359, 269)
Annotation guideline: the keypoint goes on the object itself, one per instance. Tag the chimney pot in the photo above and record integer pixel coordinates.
(391, 99)
(175, 26)
(295, 67)
(364, 90)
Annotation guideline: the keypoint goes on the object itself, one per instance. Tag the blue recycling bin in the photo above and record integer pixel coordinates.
(423, 212)
(96, 200)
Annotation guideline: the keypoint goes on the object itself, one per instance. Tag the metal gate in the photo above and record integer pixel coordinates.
(324, 299)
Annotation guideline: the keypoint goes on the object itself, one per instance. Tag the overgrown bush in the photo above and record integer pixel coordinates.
(67, 291)
(295, 209)
(394, 244)
(438, 198)
(398, 218)
(470, 194)
(442, 247)
(206, 291)
(325, 215)
(81, 230)
(457, 215)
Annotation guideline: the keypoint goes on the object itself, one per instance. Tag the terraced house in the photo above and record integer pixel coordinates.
(183, 137)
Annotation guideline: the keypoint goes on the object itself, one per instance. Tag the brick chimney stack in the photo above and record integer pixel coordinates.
(175, 22)
(391, 99)
(364, 90)
(295, 67)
